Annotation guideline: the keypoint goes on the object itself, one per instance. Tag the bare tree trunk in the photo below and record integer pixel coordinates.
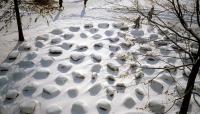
(189, 87)
(19, 25)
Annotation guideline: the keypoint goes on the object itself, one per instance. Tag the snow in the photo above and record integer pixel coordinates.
(88, 62)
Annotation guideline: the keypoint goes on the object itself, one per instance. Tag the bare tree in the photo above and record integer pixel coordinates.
(182, 21)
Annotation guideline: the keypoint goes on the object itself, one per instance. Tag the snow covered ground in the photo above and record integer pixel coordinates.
(89, 62)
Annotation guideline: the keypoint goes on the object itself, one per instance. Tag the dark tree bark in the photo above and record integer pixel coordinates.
(19, 24)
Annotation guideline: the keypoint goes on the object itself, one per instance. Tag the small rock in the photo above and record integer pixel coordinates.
(109, 32)
(73, 92)
(31, 88)
(18, 75)
(121, 34)
(56, 40)
(46, 61)
(74, 29)
(112, 67)
(13, 55)
(39, 44)
(64, 67)
(110, 79)
(83, 35)
(153, 37)
(104, 105)
(61, 80)
(157, 86)
(139, 92)
(55, 51)
(44, 37)
(26, 64)
(88, 26)
(110, 91)
(129, 102)
(31, 55)
(12, 94)
(54, 109)
(77, 57)
(79, 107)
(124, 28)
(98, 45)
(28, 107)
(41, 73)
(81, 48)
(68, 36)
(114, 48)
(113, 40)
(93, 30)
(139, 75)
(160, 43)
(97, 36)
(95, 89)
(57, 31)
(125, 45)
(78, 75)
(117, 25)
(103, 25)
(3, 80)
(67, 46)
(50, 91)
(120, 86)
(96, 58)
(4, 68)
(25, 47)
(156, 107)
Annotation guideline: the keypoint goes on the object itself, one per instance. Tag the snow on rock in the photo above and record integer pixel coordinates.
(114, 48)
(12, 94)
(96, 58)
(44, 37)
(13, 55)
(81, 48)
(110, 91)
(78, 75)
(74, 29)
(30, 88)
(95, 89)
(83, 35)
(46, 61)
(110, 79)
(62, 67)
(129, 102)
(18, 75)
(57, 31)
(68, 36)
(157, 86)
(103, 25)
(103, 105)
(109, 32)
(66, 45)
(112, 67)
(24, 47)
(153, 37)
(78, 57)
(79, 107)
(50, 91)
(73, 92)
(3, 80)
(61, 80)
(56, 40)
(98, 45)
(39, 44)
(156, 106)
(54, 109)
(41, 73)
(117, 25)
(93, 30)
(88, 26)
(28, 106)
(97, 36)
(55, 51)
